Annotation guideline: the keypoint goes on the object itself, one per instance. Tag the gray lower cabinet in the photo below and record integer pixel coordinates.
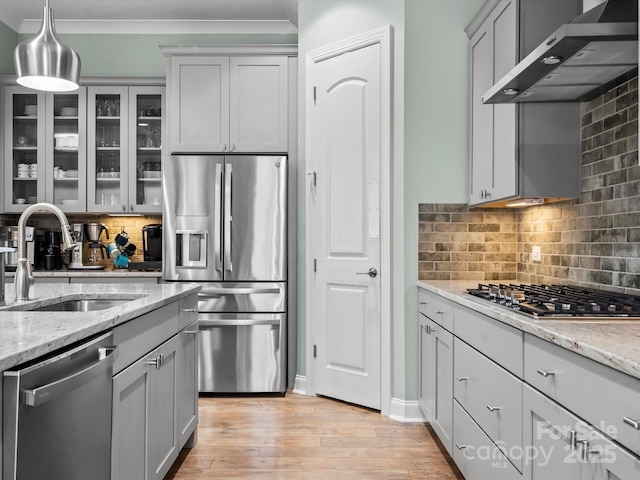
(522, 407)
(563, 446)
(187, 384)
(436, 378)
(155, 398)
(145, 415)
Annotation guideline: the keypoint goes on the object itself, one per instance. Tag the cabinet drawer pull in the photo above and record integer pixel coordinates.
(422, 303)
(493, 409)
(191, 332)
(632, 423)
(190, 310)
(545, 373)
(461, 447)
(438, 312)
(462, 379)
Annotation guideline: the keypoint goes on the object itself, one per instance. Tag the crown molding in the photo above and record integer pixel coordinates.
(244, 49)
(174, 27)
(10, 19)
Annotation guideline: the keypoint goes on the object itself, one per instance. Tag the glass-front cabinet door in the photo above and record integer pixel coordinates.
(24, 139)
(107, 149)
(146, 107)
(66, 151)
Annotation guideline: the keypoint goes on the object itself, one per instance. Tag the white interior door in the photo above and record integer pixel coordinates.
(345, 219)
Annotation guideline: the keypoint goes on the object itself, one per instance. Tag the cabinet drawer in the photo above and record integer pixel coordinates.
(475, 454)
(437, 308)
(188, 310)
(493, 338)
(491, 396)
(601, 395)
(141, 335)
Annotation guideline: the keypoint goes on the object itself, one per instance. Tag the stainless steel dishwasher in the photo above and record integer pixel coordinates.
(57, 415)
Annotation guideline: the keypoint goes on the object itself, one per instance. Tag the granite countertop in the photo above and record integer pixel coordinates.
(28, 335)
(615, 343)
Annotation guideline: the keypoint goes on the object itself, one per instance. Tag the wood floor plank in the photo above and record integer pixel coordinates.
(307, 438)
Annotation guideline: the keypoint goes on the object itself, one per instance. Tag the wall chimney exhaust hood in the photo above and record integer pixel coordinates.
(579, 61)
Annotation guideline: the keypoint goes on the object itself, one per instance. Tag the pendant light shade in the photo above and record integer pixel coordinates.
(44, 62)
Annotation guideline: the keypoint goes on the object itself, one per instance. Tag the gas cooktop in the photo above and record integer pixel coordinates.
(552, 301)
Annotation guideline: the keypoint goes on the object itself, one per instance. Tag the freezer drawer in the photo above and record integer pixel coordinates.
(242, 297)
(240, 353)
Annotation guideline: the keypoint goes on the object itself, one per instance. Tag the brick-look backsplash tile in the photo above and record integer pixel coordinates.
(466, 244)
(591, 241)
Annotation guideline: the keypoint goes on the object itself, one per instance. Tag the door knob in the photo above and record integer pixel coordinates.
(373, 273)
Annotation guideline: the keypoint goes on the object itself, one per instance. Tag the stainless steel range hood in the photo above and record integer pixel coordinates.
(579, 61)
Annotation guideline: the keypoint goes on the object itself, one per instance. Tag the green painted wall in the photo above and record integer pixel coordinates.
(8, 42)
(138, 55)
(436, 132)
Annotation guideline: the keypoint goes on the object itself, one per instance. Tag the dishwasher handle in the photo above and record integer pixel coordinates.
(40, 395)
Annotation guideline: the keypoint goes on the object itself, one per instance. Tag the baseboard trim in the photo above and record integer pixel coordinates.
(300, 385)
(405, 411)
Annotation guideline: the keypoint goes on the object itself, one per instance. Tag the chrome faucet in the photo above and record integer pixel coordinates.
(24, 277)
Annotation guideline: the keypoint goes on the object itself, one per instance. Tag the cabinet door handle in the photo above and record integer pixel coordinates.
(430, 330)
(545, 373)
(233, 147)
(157, 362)
(124, 208)
(190, 310)
(131, 207)
(225, 148)
(462, 379)
(422, 303)
(587, 451)
(493, 409)
(461, 447)
(632, 423)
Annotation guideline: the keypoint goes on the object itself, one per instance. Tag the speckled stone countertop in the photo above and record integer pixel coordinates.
(615, 343)
(28, 335)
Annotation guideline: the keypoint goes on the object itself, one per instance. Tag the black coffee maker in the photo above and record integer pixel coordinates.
(152, 242)
(52, 253)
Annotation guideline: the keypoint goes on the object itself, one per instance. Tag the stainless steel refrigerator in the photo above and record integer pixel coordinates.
(225, 226)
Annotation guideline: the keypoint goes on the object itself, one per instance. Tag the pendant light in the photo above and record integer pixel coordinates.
(44, 62)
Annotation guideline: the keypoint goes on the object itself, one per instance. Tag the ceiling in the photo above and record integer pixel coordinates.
(155, 16)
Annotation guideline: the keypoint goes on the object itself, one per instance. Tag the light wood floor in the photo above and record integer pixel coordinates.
(303, 438)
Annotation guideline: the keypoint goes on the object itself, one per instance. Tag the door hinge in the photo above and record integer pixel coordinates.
(315, 265)
(315, 351)
(315, 90)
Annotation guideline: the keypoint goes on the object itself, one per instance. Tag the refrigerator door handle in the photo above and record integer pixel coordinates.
(217, 220)
(204, 324)
(214, 292)
(228, 185)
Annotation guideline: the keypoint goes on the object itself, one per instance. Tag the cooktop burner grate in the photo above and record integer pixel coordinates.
(559, 300)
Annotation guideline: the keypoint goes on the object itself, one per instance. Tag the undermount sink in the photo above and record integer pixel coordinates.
(80, 305)
(76, 305)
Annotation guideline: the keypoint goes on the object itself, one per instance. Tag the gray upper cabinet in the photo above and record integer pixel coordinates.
(518, 151)
(199, 104)
(228, 103)
(44, 149)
